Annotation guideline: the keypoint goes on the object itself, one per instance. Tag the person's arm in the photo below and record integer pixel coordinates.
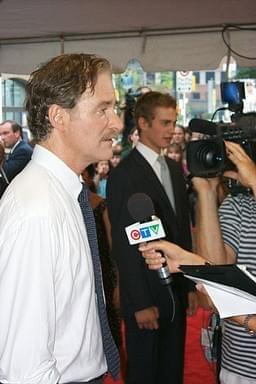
(248, 321)
(107, 226)
(96, 180)
(27, 299)
(209, 241)
(116, 292)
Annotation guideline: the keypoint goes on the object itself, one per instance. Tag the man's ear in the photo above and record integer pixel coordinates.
(142, 123)
(57, 116)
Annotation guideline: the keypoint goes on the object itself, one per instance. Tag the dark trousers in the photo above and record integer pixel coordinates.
(156, 356)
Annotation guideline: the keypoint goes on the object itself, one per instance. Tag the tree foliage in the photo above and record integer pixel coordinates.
(246, 73)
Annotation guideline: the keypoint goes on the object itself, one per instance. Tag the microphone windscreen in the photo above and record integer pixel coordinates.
(140, 206)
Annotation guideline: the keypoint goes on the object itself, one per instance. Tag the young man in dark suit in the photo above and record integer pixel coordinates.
(154, 343)
(20, 152)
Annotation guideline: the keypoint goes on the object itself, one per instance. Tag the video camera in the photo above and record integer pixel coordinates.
(207, 157)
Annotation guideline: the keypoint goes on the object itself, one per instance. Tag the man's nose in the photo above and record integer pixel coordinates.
(116, 122)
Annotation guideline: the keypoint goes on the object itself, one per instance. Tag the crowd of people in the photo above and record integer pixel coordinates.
(68, 275)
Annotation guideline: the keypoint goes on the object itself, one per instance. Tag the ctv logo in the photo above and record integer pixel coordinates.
(138, 233)
(145, 232)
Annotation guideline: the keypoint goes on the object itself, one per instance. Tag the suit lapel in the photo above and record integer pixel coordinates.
(148, 173)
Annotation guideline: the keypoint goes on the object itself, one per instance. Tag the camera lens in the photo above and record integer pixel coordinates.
(209, 155)
(206, 158)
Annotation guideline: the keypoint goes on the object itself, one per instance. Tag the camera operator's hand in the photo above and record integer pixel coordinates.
(212, 187)
(201, 184)
(246, 168)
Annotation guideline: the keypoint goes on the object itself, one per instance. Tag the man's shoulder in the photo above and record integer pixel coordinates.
(23, 146)
(30, 187)
(173, 164)
(125, 164)
(31, 173)
(22, 152)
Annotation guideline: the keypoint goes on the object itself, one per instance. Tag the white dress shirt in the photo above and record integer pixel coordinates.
(15, 145)
(151, 157)
(49, 326)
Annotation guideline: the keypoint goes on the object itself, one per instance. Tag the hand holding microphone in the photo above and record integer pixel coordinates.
(175, 255)
(147, 228)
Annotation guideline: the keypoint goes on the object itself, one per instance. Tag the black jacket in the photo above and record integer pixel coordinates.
(140, 287)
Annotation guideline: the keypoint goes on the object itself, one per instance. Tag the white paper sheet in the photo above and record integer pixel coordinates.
(227, 300)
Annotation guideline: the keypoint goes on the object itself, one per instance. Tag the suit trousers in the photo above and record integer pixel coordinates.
(156, 356)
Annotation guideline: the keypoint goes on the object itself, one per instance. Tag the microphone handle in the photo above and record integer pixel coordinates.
(166, 280)
(164, 273)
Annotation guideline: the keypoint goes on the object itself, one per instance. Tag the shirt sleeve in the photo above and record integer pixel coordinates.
(27, 301)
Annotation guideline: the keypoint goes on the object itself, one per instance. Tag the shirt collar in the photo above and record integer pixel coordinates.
(67, 177)
(15, 145)
(150, 155)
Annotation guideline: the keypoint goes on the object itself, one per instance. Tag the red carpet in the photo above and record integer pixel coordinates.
(197, 369)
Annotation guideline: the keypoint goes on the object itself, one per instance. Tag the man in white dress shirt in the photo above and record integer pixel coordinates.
(49, 324)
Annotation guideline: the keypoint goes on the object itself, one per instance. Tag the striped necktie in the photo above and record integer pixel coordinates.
(110, 349)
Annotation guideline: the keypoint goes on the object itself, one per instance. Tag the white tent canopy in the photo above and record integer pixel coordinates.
(162, 35)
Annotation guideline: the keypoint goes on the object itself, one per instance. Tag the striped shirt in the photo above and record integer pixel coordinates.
(238, 224)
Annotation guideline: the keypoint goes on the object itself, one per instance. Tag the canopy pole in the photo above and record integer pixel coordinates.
(228, 56)
(62, 45)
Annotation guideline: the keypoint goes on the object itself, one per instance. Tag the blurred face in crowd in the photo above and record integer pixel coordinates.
(158, 134)
(102, 168)
(174, 155)
(8, 136)
(179, 135)
(134, 137)
(115, 160)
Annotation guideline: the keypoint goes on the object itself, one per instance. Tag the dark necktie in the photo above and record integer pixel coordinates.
(110, 349)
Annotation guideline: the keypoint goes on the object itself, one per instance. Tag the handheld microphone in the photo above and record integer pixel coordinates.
(147, 228)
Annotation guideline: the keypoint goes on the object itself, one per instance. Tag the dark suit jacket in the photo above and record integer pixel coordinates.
(17, 160)
(14, 164)
(139, 287)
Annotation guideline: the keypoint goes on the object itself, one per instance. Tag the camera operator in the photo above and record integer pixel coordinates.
(227, 235)
(223, 240)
